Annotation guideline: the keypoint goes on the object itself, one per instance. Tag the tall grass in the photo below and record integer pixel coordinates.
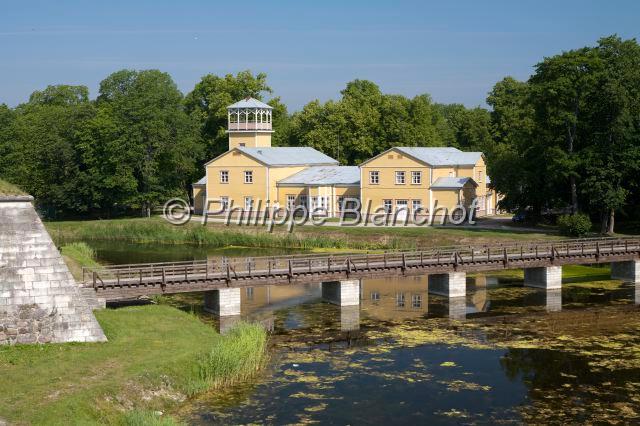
(77, 255)
(81, 252)
(137, 231)
(237, 356)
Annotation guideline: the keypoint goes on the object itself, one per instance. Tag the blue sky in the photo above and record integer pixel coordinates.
(454, 50)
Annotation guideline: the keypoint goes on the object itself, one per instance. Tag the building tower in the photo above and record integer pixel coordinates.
(250, 124)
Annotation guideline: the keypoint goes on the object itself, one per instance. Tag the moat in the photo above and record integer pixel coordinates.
(510, 354)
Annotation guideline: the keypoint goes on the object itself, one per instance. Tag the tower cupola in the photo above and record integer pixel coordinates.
(249, 123)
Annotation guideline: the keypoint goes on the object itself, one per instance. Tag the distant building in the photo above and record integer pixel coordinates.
(412, 178)
(252, 176)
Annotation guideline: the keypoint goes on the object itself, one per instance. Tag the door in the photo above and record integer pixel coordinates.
(402, 209)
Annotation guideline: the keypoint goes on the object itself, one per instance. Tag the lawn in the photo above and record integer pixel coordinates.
(156, 356)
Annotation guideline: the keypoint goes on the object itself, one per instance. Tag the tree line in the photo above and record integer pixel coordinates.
(565, 139)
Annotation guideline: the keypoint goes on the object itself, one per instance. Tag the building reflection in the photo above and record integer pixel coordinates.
(395, 298)
(389, 299)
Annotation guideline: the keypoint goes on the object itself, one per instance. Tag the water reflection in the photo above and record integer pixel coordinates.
(336, 364)
(407, 298)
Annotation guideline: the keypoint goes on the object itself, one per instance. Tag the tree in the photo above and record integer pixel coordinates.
(468, 129)
(570, 135)
(207, 104)
(142, 147)
(365, 122)
(42, 156)
(611, 160)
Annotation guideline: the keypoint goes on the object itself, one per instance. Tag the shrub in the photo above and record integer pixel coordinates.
(577, 225)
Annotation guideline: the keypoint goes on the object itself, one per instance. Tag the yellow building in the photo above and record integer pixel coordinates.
(253, 177)
(246, 177)
(407, 179)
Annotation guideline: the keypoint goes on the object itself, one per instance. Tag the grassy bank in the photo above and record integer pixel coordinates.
(7, 188)
(156, 357)
(76, 255)
(157, 231)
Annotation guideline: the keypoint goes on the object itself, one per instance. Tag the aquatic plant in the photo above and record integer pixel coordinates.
(235, 357)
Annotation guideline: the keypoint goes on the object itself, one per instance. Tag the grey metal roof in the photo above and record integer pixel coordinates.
(325, 175)
(451, 182)
(288, 156)
(202, 181)
(250, 103)
(441, 156)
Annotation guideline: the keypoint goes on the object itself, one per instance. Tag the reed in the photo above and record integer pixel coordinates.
(234, 358)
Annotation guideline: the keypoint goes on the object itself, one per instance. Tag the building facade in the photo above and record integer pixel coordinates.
(254, 178)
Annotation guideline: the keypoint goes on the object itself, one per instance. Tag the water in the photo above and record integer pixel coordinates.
(505, 354)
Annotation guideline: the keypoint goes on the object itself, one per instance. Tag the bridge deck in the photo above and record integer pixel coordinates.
(128, 281)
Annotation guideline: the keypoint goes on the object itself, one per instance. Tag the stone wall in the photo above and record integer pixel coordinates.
(40, 301)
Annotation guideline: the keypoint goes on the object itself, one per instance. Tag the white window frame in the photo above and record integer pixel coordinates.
(224, 176)
(401, 177)
(416, 174)
(416, 301)
(388, 206)
(249, 205)
(291, 202)
(248, 176)
(416, 205)
(479, 176)
(224, 202)
(374, 177)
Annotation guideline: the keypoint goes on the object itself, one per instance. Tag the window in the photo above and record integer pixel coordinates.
(375, 295)
(291, 202)
(242, 144)
(248, 176)
(388, 206)
(416, 300)
(374, 177)
(416, 205)
(399, 178)
(416, 178)
(224, 176)
(248, 203)
(401, 204)
(340, 203)
(303, 200)
(479, 176)
(249, 291)
(400, 300)
(224, 203)
(450, 174)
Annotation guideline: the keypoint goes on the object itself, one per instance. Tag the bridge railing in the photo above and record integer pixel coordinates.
(234, 268)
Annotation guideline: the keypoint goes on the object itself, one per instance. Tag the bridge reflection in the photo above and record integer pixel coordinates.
(402, 298)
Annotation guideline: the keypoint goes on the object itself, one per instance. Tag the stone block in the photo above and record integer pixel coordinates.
(342, 293)
(547, 277)
(628, 271)
(452, 284)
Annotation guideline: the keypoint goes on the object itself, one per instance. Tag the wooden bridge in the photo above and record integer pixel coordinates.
(131, 281)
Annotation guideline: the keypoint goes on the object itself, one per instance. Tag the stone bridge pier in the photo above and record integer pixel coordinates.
(346, 295)
(342, 293)
(628, 271)
(224, 302)
(451, 285)
(545, 277)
